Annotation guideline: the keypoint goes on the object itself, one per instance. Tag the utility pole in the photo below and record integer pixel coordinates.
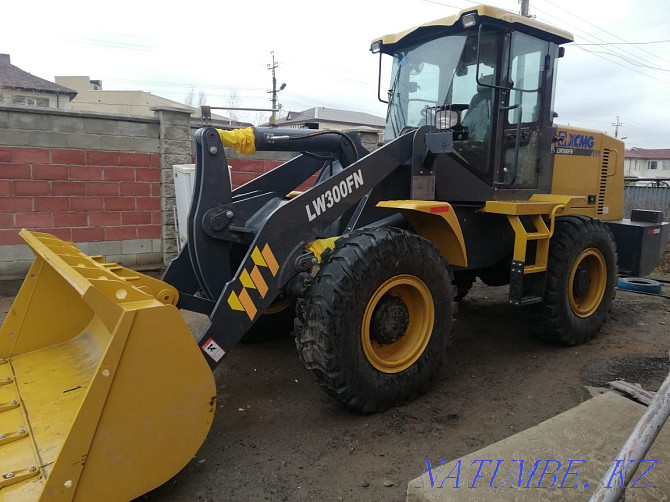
(616, 124)
(525, 4)
(273, 67)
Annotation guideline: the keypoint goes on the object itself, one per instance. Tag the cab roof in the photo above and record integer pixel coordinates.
(519, 22)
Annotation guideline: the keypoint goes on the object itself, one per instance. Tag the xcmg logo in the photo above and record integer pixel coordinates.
(569, 140)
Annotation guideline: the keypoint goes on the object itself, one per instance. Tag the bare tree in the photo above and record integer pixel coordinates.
(233, 101)
(190, 95)
(261, 118)
(202, 98)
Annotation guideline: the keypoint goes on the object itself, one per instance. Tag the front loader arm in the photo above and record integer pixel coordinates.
(280, 229)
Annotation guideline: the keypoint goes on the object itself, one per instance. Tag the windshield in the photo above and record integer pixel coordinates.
(442, 74)
(421, 78)
(439, 73)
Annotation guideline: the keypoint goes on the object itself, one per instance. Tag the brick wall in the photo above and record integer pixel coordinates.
(79, 195)
(87, 178)
(243, 170)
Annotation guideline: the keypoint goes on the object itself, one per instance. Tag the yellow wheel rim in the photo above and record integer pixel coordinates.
(404, 352)
(586, 298)
(277, 306)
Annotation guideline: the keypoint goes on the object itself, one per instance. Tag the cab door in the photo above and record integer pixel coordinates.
(525, 115)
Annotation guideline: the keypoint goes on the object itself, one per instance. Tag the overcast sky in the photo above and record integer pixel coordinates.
(223, 48)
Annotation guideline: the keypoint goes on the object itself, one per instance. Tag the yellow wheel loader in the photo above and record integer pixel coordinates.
(104, 392)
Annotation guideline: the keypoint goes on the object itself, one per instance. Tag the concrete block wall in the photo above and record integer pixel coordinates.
(175, 148)
(87, 178)
(104, 182)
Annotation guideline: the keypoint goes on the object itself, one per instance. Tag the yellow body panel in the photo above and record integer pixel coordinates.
(590, 164)
(113, 395)
(437, 222)
(485, 11)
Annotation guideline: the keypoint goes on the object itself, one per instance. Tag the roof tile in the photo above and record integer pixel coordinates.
(15, 78)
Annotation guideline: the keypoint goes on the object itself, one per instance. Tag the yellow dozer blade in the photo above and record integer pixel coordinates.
(104, 393)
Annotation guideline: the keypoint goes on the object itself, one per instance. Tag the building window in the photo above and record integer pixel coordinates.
(666, 165)
(652, 164)
(30, 101)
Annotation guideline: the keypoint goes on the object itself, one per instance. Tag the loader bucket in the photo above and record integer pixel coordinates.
(104, 393)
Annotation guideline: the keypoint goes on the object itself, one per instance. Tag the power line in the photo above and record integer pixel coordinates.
(443, 4)
(590, 37)
(605, 31)
(629, 61)
(632, 43)
(604, 56)
(623, 66)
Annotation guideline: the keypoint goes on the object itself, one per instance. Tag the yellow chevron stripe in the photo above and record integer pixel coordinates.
(259, 281)
(248, 304)
(258, 257)
(246, 280)
(270, 259)
(234, 302)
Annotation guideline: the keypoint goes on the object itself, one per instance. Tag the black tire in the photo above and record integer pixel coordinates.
(276, 323)
(396, 280)
(640, 285)
(581, 276)
(463, 282)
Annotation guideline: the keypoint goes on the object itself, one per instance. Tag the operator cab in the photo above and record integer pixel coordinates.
(488, 76)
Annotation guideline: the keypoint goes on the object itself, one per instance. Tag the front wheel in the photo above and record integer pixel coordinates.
(581, 276)
(374, 326)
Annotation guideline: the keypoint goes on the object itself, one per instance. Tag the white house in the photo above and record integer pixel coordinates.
(647, 163)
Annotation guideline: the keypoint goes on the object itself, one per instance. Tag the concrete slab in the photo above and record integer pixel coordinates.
(589, 435)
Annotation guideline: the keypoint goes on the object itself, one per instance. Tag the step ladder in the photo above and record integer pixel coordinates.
(539, 212)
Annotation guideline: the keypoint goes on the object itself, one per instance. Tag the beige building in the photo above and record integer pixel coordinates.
(92, 98)
(20, 88)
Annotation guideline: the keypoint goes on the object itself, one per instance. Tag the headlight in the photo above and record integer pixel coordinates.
(469, 20)
(446, 119)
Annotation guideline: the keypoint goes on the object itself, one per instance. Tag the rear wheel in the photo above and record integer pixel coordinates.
(581, 275)
(374, 325)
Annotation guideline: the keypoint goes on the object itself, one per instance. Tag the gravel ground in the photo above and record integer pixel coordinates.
(278, 437)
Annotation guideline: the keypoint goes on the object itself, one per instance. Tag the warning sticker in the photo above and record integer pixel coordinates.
(213, 350)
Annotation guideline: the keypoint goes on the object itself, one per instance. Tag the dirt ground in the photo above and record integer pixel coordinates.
(278, 437)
